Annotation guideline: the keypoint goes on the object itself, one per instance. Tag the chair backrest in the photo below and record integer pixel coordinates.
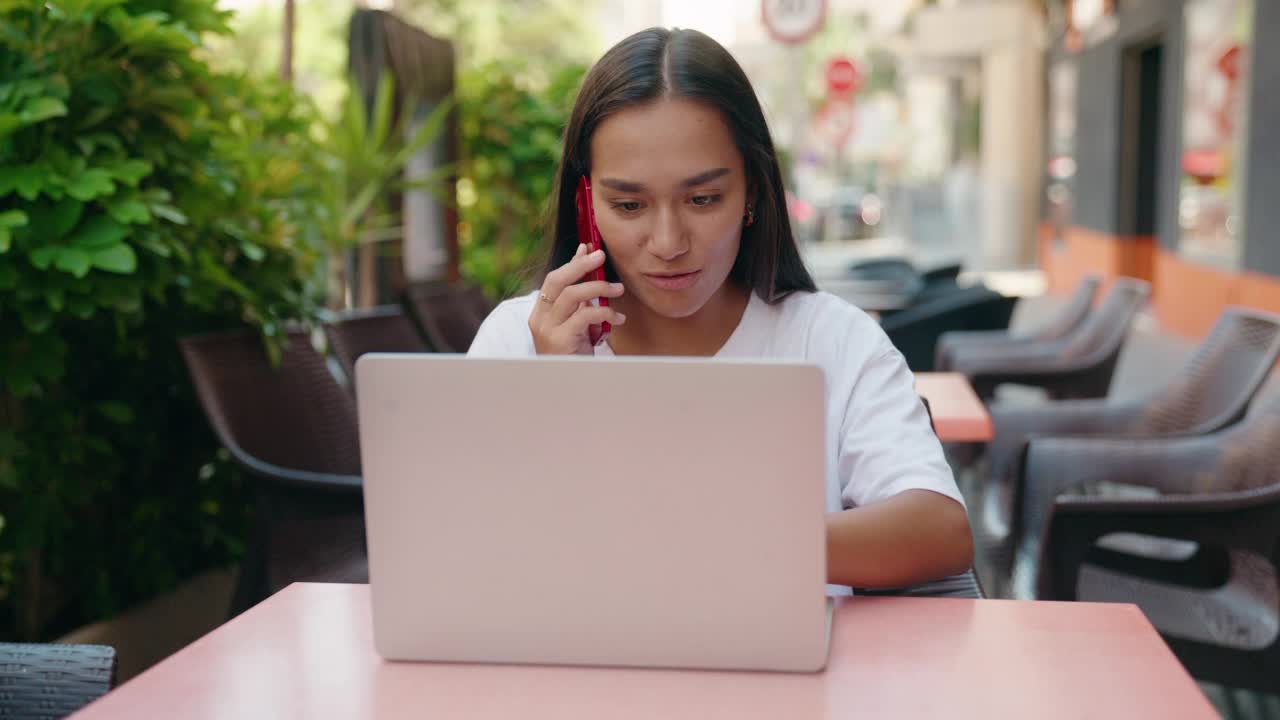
(478, 301)
(380, 329)
(295, 416)
(1249, 452)
(53, 680)
(885, 268)
(915, 331)
(1221, 378)
(1073, 314)
(447, 318)
(1104, 331)
(884, 275)
(942, 274)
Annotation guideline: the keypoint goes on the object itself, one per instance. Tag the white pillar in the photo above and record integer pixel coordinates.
(425, 254)
(1008, 37)
(1012, 116)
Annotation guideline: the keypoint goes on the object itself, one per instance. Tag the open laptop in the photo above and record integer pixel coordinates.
(629, 512)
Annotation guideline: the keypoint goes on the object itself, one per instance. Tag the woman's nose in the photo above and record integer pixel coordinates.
(668, 240)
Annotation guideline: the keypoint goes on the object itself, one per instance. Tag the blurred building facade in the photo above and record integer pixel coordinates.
(1162, 158)
(991, 52)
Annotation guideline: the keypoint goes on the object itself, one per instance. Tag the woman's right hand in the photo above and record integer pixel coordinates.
(564, 311)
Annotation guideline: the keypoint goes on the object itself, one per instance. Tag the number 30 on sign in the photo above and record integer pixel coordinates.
(793, 21)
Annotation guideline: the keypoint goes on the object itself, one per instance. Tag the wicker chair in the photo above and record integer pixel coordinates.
(1213, 391)
(964, 586)
(294, 429)
(1079, 365)
(915, 331)
(479, 303)
(448, 316)
(52, 681)
(942, 274)
(381, 329)
(938, 282)
(1200, 554)
(1067, 320)
(882, 285)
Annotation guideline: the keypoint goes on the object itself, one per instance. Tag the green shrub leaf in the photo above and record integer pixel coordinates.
(74, 261)
(43, 257)
(92, 183)
(13, 218)
(27, 180)
(51, 221)
(41, 109)
(117, 259)
(129, 211)
(98, 232)
(131, 172)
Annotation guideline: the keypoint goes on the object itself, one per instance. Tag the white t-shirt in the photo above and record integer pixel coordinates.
(879, 441)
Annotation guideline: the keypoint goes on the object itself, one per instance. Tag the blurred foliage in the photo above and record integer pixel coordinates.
(366, 152)
(319, 49)
(484, 32)
(511, 111)
(511, 125)
(143, 196)
(512, 114)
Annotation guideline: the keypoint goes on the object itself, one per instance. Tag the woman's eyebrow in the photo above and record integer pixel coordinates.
(705, 177)
(700, 178)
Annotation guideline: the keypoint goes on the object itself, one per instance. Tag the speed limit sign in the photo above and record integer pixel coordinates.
(793, 21)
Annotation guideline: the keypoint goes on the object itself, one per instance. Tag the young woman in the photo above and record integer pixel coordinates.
(701, 261)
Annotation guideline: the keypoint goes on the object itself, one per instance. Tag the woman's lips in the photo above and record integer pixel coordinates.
(669, 281)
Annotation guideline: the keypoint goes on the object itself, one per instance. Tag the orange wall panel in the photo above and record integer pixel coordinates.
(1260, 291)
(1188, 298)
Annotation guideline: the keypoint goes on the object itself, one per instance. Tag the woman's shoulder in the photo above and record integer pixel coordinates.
(517, 307)
(823, 308)
(506, 331)
(830, 326)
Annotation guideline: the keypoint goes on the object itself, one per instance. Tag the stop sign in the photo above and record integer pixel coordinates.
(843, 77)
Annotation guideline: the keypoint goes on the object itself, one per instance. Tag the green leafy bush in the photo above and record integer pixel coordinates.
(143, 196)
(512, 119)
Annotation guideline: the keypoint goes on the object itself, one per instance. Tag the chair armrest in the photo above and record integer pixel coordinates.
(1013, 425)
(1064, 383)
(1057, 465)
(305, 480)
(1010, 356)
(957, 338)
(956, 344)
(1245, 520)
(1181, 464)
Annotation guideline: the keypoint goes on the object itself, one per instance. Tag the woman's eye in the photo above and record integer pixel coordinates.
(704, 200)
(627, 206)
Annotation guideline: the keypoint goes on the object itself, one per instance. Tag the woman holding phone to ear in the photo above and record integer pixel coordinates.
(699, 260)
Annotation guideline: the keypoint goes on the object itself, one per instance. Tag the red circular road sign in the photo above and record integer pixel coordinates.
(793, 21)
(843, 77)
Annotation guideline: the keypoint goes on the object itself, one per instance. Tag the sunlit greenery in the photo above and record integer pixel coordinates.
(143, 196)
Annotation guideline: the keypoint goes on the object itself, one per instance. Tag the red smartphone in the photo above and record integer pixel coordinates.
(588, 233)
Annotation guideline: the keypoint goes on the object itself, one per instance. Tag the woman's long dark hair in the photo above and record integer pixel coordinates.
(656, 63)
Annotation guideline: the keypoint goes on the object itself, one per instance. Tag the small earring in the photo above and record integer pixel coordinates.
(751, 215)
